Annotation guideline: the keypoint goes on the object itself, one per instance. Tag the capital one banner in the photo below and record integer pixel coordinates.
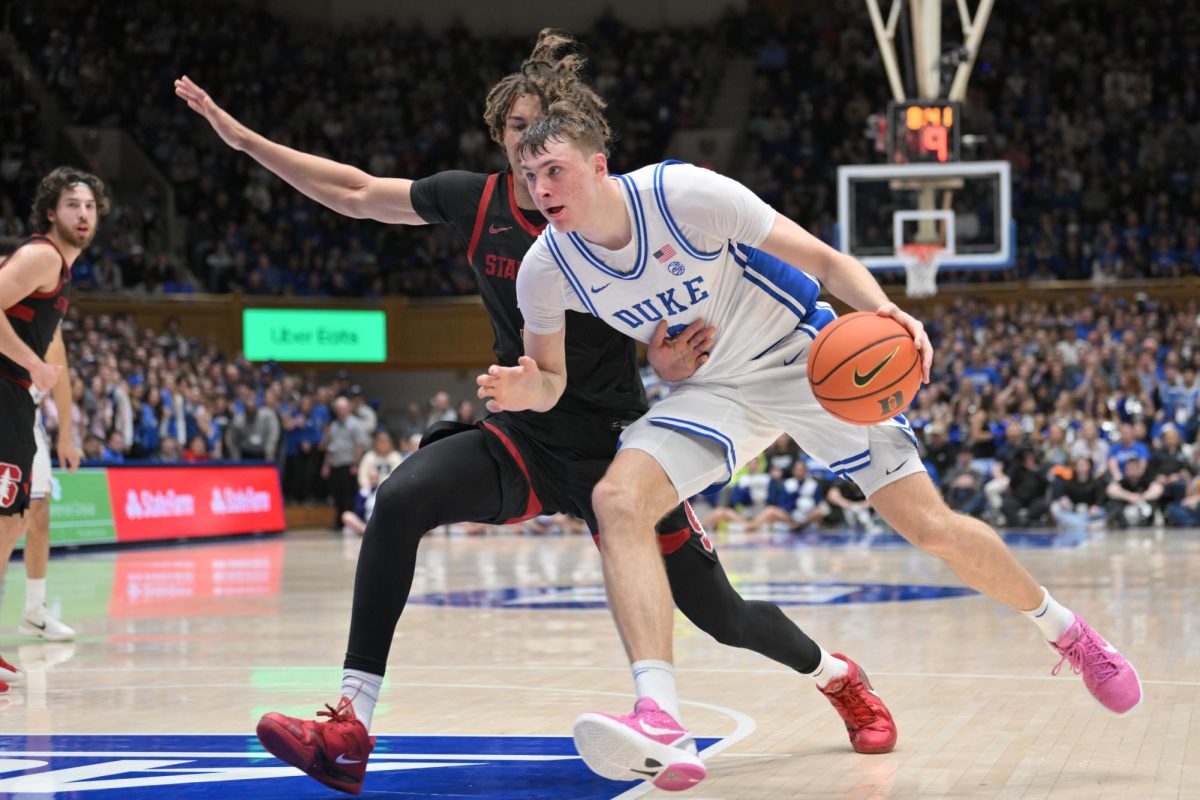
(169, 502)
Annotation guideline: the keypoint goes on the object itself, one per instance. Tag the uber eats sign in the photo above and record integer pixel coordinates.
(278, 334)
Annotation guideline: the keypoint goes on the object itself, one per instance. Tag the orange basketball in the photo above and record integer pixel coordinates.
(864, 368)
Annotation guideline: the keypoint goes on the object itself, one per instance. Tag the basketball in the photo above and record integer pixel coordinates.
(864, 368)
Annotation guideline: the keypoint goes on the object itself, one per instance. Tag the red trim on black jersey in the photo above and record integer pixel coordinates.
(481, 214)
(23, 313)
(530, 228)
(534, 507)
(63, 276)
(24, 384)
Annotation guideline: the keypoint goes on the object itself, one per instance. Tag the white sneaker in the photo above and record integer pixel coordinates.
(39, 622)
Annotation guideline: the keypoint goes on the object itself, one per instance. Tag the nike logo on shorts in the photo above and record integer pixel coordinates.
(893, 469)
(496, 229)
(341, 759)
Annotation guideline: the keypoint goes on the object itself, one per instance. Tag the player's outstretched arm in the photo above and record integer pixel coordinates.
(845, 277)
(535, 384)
(343, 188)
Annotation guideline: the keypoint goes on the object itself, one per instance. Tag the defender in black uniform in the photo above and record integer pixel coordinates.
(34, 284)
(517, 464)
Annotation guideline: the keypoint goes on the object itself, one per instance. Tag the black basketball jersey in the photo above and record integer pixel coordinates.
(36, 318)
(603, 386)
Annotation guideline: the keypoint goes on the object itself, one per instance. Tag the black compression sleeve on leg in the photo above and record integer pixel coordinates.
(703, 593)
(452, 480)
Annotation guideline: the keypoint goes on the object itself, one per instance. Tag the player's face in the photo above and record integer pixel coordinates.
(564, 183)
(525, 111)
(74, 217)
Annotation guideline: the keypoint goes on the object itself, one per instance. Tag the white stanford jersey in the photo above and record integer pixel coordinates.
(691, 257)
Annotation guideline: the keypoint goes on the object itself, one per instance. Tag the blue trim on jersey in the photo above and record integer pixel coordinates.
(641, 236)
(565, 269)
(846, 462)
(784, 283)
(705, 432)
(660, 197)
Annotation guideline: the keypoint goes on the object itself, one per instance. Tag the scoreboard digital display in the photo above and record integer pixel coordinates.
(925, 131)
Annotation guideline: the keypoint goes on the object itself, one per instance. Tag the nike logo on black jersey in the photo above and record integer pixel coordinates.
(861, 380)
(598, 290)
(494, 229)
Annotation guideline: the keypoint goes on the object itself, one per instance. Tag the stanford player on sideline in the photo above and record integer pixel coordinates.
(33, 293)
(521, 464)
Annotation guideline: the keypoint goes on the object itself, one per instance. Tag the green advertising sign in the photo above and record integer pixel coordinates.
(80, 511)
(279, 334)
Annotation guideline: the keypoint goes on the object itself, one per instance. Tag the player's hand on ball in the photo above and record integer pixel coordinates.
(676, 358)
(511, 388)
(228, 128)
(917, 330)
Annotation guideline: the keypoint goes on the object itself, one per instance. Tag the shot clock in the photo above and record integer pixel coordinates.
(924, 131)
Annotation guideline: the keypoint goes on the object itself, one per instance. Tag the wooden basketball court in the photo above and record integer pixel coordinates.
(181, 649)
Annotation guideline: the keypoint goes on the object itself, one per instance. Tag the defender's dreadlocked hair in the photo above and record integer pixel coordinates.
(551, 79)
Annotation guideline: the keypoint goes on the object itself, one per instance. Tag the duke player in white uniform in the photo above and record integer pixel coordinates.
(675, 242)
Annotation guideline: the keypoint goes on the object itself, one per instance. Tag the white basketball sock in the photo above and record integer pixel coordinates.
(830, 669)
(1052, 619)
(656, 680)
(35, 594)
(363, 690)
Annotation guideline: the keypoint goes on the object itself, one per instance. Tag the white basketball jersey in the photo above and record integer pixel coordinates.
(691, 257)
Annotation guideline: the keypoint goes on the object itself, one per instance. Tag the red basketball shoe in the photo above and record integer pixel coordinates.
(9, 675)
(867, 719)
(334, 752)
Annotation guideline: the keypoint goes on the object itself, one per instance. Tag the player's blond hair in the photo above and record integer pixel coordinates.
(550, 77)
(564, 123)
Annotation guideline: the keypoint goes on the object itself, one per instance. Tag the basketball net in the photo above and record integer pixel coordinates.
(921, 268)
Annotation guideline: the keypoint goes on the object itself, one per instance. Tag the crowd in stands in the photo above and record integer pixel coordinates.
(1104, 185)
(1038, 413)
(393, 99)
(1096, 110)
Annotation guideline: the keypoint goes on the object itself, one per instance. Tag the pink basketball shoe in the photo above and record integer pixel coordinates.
(1106, 674)
(645, 745)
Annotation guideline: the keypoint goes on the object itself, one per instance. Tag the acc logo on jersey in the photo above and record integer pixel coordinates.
(676, 267)
(10, 484)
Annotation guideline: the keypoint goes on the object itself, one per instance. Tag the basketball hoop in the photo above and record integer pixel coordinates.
(921, 268)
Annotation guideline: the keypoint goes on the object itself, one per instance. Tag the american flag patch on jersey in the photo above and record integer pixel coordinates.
(665, 254)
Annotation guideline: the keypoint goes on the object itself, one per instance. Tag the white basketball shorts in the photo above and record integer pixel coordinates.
(702, 433)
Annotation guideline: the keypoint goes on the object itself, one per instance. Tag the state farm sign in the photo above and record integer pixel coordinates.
(166, 502)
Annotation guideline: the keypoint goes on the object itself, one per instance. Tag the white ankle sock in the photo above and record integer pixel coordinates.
(363, 690)
(830, 669)
(35, 593)
(656, 680)
(1052, 619)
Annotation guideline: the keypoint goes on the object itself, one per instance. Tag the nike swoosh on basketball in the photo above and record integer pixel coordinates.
(861, 380)
(653, 731)
(494, 229)
(341, 759)
(893, 469)
(598, 290)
